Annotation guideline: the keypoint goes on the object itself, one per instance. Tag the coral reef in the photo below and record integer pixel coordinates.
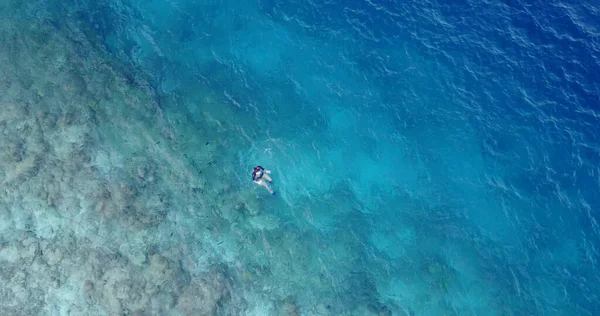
(71, 200)
(140, 208)
(288, 307)
(160, 286)
(202, 296)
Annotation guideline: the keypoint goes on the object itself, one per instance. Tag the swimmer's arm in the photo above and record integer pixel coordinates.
(267, 171)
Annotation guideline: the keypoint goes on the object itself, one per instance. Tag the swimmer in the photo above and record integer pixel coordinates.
(261, 173)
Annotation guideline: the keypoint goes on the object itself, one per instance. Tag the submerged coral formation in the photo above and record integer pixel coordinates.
(89, 189)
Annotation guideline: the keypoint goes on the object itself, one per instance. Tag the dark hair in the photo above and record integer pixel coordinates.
(256, 170)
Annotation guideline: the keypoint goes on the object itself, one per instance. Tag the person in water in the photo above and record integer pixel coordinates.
(259, 175)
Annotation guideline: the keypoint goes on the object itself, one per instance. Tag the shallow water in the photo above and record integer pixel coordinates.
(429, 158)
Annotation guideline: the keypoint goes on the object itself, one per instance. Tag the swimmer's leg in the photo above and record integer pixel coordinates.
(268, 188)
(264, 184)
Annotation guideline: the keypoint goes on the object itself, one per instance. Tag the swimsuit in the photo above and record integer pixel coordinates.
(257, 174)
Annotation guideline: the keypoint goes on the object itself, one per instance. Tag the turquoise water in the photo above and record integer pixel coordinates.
(429, 158)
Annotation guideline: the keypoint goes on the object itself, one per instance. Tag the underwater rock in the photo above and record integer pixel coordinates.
(80, 152)
(288, 307)
(138, 208)
(18, 295)
(322, 309)
(373, 310)
(144, 170)
(13, 150)
(74, 82)
(123, 194)
(434, 268)
(438, 275)
(159, 272)
(117, 285)
(104, 203)
(29, 249)
(46, 119)
(248, 208)
(252, 207)
(53, 255)
(202, 296)
(9, 253)
(248, 203)
(22, 169)
(147, 211)
(88, 286)
(379, 309)
(146, 173)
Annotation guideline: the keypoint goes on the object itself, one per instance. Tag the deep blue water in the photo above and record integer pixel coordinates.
(446, 153)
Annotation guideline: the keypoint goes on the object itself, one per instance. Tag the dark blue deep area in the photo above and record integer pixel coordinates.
(464, 135)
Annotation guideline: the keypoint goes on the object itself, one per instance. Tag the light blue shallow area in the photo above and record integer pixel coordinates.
(429, 158)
